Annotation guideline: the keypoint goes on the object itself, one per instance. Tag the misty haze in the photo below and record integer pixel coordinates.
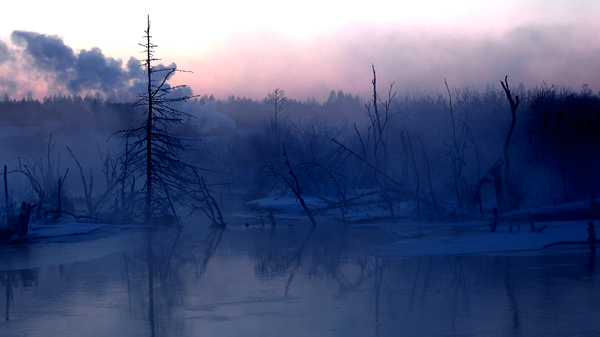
(137, 201)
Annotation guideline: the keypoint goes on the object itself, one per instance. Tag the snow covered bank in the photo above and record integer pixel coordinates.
(66, 231)
(583, 210)
(477, 238)
(553, 224)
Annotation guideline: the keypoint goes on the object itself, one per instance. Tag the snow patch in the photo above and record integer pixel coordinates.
(479, 239)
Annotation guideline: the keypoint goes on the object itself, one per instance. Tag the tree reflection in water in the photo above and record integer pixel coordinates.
(10, 279)
(154, 282)
(155, 274)
(222, 281)
(207, 249)
(321, 253)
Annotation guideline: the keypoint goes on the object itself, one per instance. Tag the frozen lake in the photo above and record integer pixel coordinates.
(289, 281)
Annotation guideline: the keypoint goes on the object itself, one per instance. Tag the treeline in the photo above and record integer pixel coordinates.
(77, 111)
(433, 155)
(429, 155)
(252, 114)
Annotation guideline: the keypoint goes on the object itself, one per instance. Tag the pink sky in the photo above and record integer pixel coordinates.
(243, 49)
(415, 60)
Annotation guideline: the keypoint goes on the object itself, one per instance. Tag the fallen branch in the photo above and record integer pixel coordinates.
(366, 162)
(568, 243)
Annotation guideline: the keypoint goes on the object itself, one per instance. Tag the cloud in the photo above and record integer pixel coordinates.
(82, 72)
(48, 51)
(255, 62)
(4, 52)
(58, 66)
(416, 58)
(92, 70)
(206, 118)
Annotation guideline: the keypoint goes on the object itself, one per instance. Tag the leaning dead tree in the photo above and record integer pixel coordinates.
(203, 200)
(153, 154)
(508, 183)
(291, 181)
(296, 188)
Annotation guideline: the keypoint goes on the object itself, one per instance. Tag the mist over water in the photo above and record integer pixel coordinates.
(293, 280)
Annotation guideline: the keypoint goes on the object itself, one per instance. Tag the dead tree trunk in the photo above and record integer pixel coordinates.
(208, 204)
(7, 202)
(427, 169)
(514, 104)
(59, 197)
(22, 226)
(417, 180)
(495, 222)
(456, 146)
(592, 237)
(147, 63)
(496, 173)
(297, 189)
(61, 181)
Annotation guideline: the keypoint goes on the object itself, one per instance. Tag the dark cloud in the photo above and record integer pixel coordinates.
(4, 52)
(92, 70)
(88, 70)
(48, 52)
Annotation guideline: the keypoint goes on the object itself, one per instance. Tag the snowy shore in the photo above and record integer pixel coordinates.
(555, 227)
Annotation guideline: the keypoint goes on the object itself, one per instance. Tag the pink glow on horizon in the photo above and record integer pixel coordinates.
(415, 45)
(253, 64)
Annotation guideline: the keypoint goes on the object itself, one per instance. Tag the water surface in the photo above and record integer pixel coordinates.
(289, 281)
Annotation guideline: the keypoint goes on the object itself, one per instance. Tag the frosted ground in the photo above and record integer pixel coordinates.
(423, 238)
(418, 238)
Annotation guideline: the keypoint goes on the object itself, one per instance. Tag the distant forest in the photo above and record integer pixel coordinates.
(426, 155)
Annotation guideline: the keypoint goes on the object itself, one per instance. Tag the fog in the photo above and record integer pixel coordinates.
(551, 150)
(417, 58)
(315, 196)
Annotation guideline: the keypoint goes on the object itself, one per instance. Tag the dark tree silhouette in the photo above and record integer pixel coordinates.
(508, 183)
(292, 182)
(563, 127)
(154, 151)
(374, 151)
(457, 145)
(278, 105)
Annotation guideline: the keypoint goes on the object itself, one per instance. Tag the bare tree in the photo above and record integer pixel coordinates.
(112, 175)
(154, 152)
(379, 113)
(43, 175)
(457, 144)
(374, 143)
